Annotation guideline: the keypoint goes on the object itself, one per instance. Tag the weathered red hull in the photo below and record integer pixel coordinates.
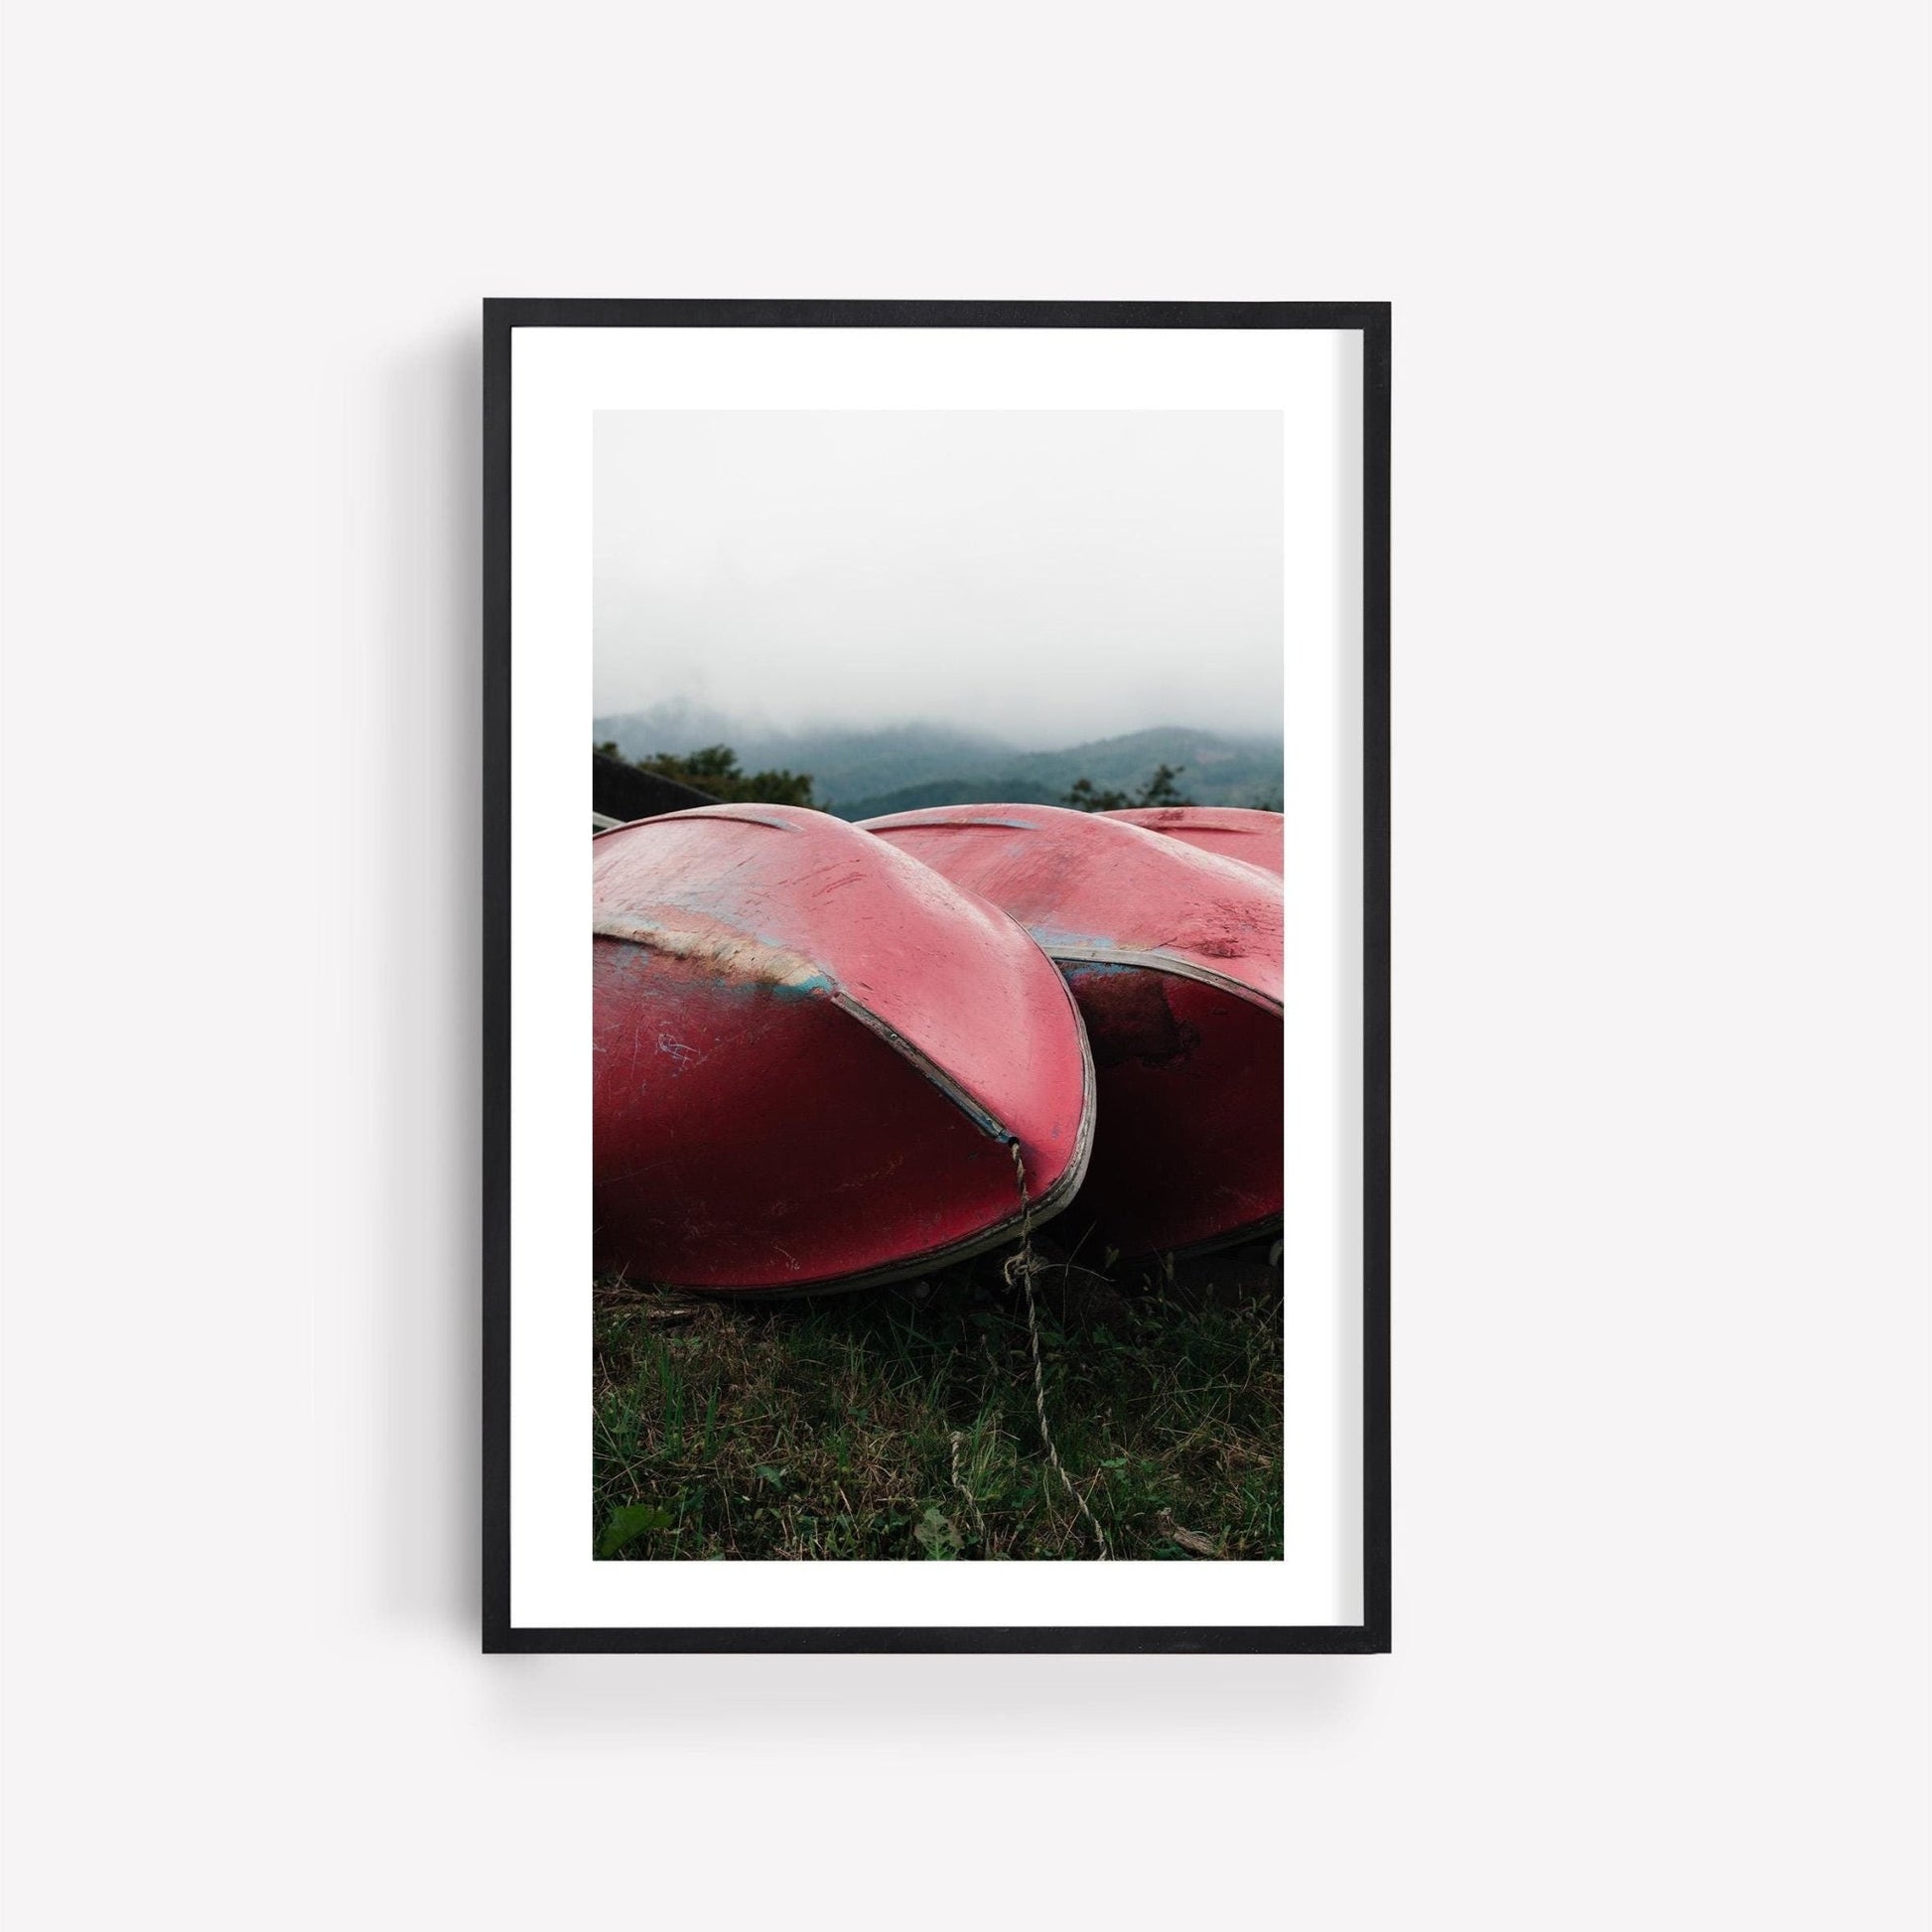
(1175, 960)
(1227, 831)
(814, 1057)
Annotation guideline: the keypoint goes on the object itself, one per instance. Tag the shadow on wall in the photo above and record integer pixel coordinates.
(422, 838)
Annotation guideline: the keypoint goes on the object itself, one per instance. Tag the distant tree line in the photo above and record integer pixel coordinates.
(714, 772)
(1162, 789)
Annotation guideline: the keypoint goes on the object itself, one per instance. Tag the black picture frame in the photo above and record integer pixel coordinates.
(502, 316)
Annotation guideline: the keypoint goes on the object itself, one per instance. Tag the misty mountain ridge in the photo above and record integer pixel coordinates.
(864, 774)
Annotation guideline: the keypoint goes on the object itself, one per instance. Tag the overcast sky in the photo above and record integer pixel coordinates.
(1047, 577)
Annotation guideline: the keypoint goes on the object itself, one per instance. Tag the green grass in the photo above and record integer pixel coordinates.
(900, 1422)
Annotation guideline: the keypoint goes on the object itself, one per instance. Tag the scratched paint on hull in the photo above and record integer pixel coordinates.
(1227, 831)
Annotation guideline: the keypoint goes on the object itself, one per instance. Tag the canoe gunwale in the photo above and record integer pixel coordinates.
(1162, 962)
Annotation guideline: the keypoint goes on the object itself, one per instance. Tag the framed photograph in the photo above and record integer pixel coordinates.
(946, 1204)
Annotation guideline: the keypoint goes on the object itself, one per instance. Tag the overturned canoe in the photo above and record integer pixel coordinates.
(815, 1057)
(1227, 831)
(1175, 960)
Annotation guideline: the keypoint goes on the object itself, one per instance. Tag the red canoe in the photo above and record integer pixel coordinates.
(1175, 960)
(1227, 831)
(814, 1057)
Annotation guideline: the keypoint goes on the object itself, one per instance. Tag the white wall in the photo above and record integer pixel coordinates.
(1661, 1581)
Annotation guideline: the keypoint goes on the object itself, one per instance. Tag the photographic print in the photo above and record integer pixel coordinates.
(950, 970)
(936, 1184)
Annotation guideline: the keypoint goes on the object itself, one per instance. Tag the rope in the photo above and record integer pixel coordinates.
(958, 1482)
(1020, 1269)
